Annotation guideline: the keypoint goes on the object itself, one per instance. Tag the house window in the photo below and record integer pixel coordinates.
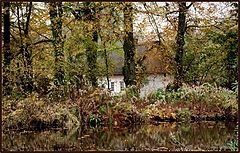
(112, 86)
(121, 85)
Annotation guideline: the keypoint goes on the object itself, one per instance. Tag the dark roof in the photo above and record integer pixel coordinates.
(140, 51)
(118, 62)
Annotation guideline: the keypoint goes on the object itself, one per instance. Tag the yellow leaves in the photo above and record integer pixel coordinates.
(173, 115)
(7, 104)
(153, 111)
(89, 27)
(115, 123)
(162, 113)
(17, 112)
(40, 104)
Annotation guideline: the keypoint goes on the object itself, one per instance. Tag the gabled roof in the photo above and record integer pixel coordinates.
(153, 62)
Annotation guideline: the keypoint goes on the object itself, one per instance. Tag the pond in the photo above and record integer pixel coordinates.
(164, 136)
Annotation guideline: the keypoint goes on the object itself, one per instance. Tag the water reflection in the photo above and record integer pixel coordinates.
(165, 136)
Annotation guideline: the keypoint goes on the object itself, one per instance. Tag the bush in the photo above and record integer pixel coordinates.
(167, 96)
(183, 114)
(158, 95)
(205, 94)
(33, 109)
(131, 92)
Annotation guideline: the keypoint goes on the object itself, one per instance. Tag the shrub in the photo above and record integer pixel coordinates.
(183, 114)
(167, 96)
(132, 91)
(36, 109)
(205, 94)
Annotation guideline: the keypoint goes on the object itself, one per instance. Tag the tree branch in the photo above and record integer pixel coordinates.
(166, 16)
(39, 33)
(28, 19)
(189, 5)
(42, 41)
(206, 72)
(172, 12)
(13, 37)
(154, 24)
(199, 26)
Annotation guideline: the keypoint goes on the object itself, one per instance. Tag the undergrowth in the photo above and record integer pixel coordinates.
(98, 107)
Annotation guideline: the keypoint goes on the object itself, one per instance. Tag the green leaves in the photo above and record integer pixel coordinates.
(233, 145)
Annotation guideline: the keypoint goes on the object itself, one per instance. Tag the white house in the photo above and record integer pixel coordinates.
(156, 69)
(153, 82)
(116, 84)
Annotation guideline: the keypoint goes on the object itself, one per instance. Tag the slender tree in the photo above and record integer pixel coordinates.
(25, 42)
(107, 65)
(28, 51)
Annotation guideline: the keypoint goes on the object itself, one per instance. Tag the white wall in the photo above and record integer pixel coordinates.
(153, 83)
(116, 79)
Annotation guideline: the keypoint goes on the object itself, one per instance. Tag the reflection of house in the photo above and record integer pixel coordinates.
(156, 69)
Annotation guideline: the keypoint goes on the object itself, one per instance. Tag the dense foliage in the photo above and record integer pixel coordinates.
(38, 44)
(55, 54)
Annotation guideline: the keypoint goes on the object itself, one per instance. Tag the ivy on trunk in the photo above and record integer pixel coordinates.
(56, 12)
(129, 47)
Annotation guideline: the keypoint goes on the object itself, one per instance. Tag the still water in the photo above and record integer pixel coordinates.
(164, 136)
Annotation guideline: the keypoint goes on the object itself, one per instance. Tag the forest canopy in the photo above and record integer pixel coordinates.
(67, 45)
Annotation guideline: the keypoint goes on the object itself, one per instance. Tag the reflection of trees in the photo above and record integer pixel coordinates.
(184, 136)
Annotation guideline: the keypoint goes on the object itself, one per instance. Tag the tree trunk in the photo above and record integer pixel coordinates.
(107, 66)
(88, 14)
(28, 51)
(91, 50)
(6, 48)
(180, 44)
(6, 35)
(129, 47)
(230, 59)
(23, 27)
(56, 11)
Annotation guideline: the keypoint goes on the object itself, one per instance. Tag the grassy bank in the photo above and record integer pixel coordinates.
(204, 102)
(99, 108)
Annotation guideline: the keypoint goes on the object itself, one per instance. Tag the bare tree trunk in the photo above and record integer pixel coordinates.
(6, 34)
(180, 44)
(129, 46)
(107, 66)
(6, 48)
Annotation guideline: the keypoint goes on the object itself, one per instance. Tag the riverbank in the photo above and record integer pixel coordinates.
(98, 108)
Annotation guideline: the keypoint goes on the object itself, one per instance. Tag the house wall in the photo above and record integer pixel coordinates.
(153, 83)
(116, 79)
